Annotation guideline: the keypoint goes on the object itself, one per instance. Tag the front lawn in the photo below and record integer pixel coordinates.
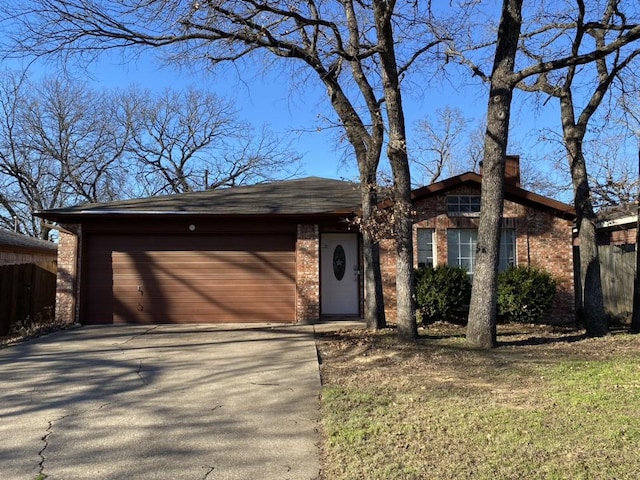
(547, 404)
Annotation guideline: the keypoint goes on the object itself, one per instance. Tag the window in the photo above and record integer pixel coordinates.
(507, 249)
(463, 205)
(461, 247)
(425, 247)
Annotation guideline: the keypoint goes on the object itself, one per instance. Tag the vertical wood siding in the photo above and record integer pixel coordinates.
(27, 294)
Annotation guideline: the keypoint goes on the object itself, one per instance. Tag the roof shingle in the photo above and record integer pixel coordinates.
(12, 239)
(306, 196)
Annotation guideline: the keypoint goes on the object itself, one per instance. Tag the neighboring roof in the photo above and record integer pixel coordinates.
(618, 216)
(305, 196)
(512, 193)
(17, 242)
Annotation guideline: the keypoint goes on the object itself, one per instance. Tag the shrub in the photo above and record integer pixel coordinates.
(442, 293)
(525, 294)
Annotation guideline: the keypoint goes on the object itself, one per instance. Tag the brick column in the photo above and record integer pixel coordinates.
(308, 274)
(66, 281)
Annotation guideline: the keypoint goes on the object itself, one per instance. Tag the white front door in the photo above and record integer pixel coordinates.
(339, 274)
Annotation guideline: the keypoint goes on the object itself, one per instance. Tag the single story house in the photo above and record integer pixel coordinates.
(536, 231)
(244, 254)
(277, 252)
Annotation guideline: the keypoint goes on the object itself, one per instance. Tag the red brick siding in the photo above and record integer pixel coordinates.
(617, 237)
(542, 240)
(308, 274)
(67, 277)
(545, 241)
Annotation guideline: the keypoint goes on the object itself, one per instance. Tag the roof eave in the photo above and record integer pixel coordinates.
(83, 215)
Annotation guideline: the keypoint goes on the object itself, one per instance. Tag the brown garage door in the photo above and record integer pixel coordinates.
(186, 279)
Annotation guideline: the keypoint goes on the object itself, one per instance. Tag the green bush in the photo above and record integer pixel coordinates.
(442, 293)
(525, 294)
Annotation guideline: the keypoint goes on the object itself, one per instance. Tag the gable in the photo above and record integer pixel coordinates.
(470, 184)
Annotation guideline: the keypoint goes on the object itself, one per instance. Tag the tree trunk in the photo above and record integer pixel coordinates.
(635, 318)
(592, 309)
(367, 148)
(399, 160)
(406, 314)
(373, 300)
(481, 328)
(593, 313)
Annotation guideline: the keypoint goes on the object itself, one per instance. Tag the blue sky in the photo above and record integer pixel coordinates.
(297, 113)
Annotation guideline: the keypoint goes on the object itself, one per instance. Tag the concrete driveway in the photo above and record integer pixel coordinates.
(161, 402)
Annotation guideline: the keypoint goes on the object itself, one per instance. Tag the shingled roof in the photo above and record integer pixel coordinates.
(17, 242)
(305, 196)
(16, 249)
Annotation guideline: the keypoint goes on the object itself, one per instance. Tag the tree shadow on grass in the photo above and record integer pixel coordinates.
(533, 340)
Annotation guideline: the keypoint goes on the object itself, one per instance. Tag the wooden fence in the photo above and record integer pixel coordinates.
(617, 271)
(27, 293)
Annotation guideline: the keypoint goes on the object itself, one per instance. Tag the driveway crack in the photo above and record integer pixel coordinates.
(45, 440)
(133, 337)
(123, 350)
(49, 431)
(139, 373)
(210, 469)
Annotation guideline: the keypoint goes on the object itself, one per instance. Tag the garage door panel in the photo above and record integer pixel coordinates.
(181, 292)
(192, 313)
(187, 308)
(222, 259)
(175, 279)
(185, 273)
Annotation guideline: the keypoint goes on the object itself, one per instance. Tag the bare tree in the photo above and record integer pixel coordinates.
(603, 28)
(192, 140)
(440, 146)
(481, 327)
(613, 174)
(481, 331)
(63, 143)
(349, 46)
(58, 147)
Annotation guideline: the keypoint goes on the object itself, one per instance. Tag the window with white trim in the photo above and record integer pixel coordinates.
(426, 257)
(463, 205)
(461, 249)
(507, 249)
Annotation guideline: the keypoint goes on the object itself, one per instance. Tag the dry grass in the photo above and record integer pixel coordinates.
(27, 330)
(548, 403)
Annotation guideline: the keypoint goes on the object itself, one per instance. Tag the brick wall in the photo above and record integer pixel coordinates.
(624, 236)
(67, 278)
(542, 240)
(308, 274)
(545, 241)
